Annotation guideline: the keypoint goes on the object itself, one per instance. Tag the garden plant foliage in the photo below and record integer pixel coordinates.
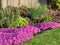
(57, 2)
(10, 18)
(35, 13)
(47, 18)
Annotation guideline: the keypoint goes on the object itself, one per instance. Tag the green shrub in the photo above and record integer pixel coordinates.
(57, 2)
(2, 17)
(36, 12)
(21, 22)
(17, 21)
(47, 19)
(12, 18)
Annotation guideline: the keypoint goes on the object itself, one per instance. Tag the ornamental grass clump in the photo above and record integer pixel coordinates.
(16, 36)
(35, 13)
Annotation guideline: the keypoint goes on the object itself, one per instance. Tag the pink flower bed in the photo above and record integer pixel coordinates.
(47, 25)
(17, 36)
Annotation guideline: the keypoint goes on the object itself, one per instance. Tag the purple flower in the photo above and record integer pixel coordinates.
(47, 25)
(15, 36)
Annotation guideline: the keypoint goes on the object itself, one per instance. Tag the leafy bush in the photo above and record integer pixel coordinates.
(57, 2)
(2, 17)
(47, 18)
(36, 12)
(12, 18)
(21, 21)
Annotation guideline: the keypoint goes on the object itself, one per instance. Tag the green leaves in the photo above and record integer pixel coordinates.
(11, 18)
(47, 18)
(2, 17)
(36, 12)
(58, 3)
(21, 21)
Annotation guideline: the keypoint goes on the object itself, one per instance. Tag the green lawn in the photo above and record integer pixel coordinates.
(49, 37)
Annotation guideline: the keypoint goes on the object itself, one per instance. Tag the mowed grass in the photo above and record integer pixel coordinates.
(49, 37)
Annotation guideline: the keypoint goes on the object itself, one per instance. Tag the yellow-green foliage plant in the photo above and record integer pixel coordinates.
(58, 3)
(47, 18)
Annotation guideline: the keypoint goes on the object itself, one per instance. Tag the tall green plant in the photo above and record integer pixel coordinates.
(36, 12)
(11, 18)
(15, 19)
(2, 17)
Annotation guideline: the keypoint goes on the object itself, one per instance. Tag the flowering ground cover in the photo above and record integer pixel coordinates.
(47, 25)
(49, 37)
(17, 36)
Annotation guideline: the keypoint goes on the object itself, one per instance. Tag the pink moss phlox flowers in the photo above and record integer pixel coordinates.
(15, 36)
(47, 25)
